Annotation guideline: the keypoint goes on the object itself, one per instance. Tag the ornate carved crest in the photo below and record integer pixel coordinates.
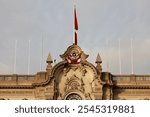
(74, 83)
(74, 55)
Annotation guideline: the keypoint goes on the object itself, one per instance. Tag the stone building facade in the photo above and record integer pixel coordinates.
(74, 78)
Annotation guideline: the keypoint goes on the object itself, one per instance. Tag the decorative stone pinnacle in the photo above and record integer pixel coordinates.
(49, 59)
(98, 59)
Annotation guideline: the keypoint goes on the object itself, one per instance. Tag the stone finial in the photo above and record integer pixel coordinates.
(98, 62)
(49, 59)
(98, 59)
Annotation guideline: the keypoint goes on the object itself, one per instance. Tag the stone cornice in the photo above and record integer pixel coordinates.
(17, 87)
(132, 86)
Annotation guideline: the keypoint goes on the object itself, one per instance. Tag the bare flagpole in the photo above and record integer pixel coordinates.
(120, 64)
(15, 57)
(29, 56)
(108, 53)
(42, 55)
(132, 71)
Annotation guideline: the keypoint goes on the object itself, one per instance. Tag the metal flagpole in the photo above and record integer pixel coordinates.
(15, 57)
(29, 57)
(120, 64)
(42, 56)
(108, 53)
(132, 56)
(73, 22)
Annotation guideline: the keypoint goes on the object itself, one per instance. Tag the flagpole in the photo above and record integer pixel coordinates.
(42, 56)
(15, 57)
(108, 53)
(29, 57)
(120, 64)
(73, 21)
(132, 56)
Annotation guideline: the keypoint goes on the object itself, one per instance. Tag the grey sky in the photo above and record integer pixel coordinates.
(101, 24)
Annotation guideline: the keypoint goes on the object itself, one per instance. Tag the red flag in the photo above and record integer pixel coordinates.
(75, 27)
(75, 20)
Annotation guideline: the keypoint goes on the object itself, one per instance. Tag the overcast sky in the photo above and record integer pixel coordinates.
(101, 24)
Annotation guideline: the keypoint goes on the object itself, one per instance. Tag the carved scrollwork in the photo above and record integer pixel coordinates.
(74, 83)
